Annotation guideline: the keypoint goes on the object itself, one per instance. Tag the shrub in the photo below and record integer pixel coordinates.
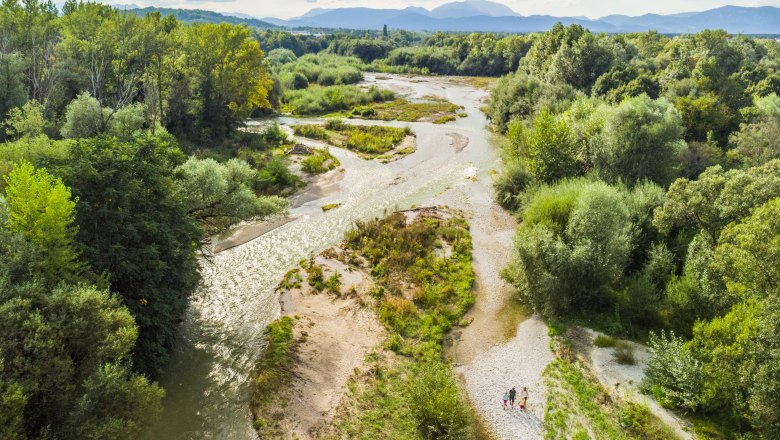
(624, 353)
(319, 162)
(439, 408)
(672, 374)
(511, 183)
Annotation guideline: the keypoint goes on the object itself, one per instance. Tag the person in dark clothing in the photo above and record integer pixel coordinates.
(512, 395)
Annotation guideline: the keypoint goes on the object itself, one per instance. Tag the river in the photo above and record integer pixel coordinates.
(208, 381)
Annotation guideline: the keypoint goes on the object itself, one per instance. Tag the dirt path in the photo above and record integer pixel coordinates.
(336, 334)
(502, 347)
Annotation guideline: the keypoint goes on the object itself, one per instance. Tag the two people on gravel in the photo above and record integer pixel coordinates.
(511, 395)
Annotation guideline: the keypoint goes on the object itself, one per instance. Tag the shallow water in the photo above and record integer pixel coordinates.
(208, 382)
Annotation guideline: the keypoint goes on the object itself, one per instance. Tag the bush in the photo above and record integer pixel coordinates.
(511, 183)
(624, 353)
(322, 99)
(439, 408)
(319, 162)
(672, 374)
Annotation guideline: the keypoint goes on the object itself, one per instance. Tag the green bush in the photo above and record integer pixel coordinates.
(440, 410)
(326, 99)
(319, 162)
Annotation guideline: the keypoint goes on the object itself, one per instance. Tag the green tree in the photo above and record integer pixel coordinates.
(134, 228)
(55, 345)
(219, 195)
(12, 91)
(230, 74)
(756, 144)
(717, 198)
(84, 117)
(551, 150)
(572, 247)
(42, 210)
(25, 121)
(706, 115)
(641, 140)
(745, 248)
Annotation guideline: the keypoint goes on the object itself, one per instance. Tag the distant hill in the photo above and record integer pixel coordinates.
(201, 16)
(487, 16)
(471, 8)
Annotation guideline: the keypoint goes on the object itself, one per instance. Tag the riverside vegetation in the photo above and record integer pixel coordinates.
(369, 141)
(646, 179)
(421, 268)
(645, 168)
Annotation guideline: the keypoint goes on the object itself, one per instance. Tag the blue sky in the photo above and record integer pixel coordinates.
(589, 8)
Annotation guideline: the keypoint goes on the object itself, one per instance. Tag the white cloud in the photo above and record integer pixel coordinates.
(589, 8)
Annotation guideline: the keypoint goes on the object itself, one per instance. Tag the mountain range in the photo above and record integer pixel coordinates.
(487, 16)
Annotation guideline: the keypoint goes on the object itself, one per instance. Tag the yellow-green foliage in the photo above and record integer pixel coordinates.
(403, 255)
(319, 162)
(403, 110)
(421, 294)
(320, 99)
(370, 140)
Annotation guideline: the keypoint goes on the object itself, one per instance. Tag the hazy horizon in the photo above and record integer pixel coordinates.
(588, 8)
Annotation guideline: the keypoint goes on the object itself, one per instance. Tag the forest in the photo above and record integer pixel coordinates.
(645, 170)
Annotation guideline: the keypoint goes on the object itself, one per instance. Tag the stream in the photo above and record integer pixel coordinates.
(208, 381)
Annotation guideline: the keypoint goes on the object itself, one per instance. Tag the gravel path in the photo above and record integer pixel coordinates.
(519, 362)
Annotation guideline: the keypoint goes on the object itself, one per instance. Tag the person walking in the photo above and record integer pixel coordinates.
(512, 395)
(523, 398)
(506, 397)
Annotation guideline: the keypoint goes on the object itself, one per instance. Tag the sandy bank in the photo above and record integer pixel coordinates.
(336, 333)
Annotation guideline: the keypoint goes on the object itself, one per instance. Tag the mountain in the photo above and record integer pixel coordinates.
(734, 19)
(472, 8)
(201, 16)
(487, 16)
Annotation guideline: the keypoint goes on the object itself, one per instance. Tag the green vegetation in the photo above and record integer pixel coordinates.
(320, 161)
(431, 110)
(603, 341)
(420, 296)
(371, 141)
(273, 373)
(624, 353)
(646, 178)
(578, 406)
(318, 100)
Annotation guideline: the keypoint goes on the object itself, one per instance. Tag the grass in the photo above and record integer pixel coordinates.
(370, 141)
(320, 161)
(603, 341)
(408, 391)
(445, 119)
(578, 406)
(624, 353)
(273, 373)
(434, 108)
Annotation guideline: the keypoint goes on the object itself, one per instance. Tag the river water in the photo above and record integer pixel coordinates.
(208, 381)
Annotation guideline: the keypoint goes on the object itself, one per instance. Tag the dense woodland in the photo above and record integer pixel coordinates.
(645, 170)
(646, 173)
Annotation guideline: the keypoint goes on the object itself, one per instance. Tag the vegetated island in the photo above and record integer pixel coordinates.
(359, 350)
